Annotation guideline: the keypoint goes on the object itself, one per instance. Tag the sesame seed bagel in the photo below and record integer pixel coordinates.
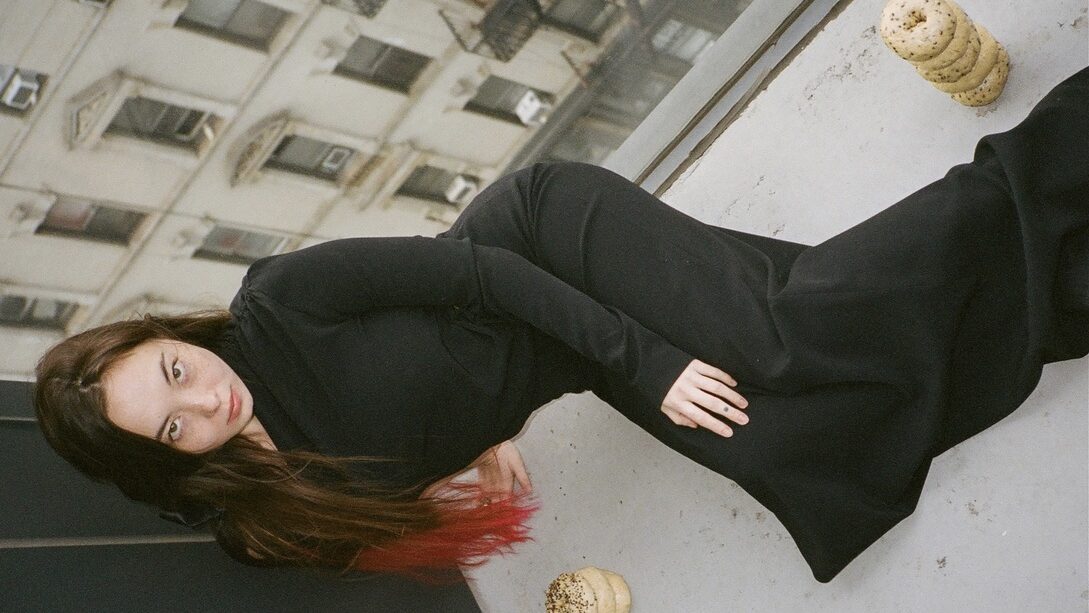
(956, 48)
(917, 30)
(570, 593)
(588, 590)
(988, 91)
(959, 68)
(988, 55)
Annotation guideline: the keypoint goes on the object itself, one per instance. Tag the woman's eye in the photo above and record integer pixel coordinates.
(177, 370)
(173, 432)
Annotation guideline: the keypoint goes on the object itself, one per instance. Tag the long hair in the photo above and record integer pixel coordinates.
(272, 507)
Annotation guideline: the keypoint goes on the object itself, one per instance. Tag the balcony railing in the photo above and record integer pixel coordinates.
(503, 31)
(367, 8)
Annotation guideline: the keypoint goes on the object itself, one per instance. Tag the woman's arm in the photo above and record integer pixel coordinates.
(344, 278)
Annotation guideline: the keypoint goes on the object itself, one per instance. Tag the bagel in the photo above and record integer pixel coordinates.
(603, 591)
(992, 85)
(570, 593)
(588, 590)
(620, 589)
(959, 68)
(918, 30)
(956, 47)
(988, 55)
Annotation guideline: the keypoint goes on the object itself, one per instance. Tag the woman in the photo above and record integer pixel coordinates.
(857, 360)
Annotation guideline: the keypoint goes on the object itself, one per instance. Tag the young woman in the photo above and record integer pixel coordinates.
(316, 421)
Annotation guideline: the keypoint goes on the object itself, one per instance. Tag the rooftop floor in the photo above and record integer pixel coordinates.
(843, 131)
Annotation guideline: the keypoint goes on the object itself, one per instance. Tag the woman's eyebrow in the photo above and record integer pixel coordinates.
(162, 367)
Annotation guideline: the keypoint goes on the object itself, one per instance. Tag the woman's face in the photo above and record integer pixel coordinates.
(180, 394)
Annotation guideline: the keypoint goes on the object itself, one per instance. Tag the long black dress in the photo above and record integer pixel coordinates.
(862, 357)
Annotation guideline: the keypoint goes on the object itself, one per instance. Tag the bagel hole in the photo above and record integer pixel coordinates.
(914, 18)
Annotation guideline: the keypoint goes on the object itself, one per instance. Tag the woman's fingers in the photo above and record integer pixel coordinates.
(688, 414)
(718, 382)
(679, 418)
(511, 459)
(522, 477)
(717, 405)
(706, 369)
(703, 418)
(700, 391)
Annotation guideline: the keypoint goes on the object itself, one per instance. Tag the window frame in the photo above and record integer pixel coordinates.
(203, 252)
(196, 136)
(139, 222)
(72, 308)
(436, 197)
(264, 45)
(90, 112)
(509, 116)
(272, 163)
(402, 87)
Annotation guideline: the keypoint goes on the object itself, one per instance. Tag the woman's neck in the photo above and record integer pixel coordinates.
(257, 433)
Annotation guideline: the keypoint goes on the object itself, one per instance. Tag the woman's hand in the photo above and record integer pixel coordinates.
(700, 390)
(498, 470)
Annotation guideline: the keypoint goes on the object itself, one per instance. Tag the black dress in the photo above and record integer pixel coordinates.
(862, 357)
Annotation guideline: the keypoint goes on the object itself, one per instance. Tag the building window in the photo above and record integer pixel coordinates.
(160, 122)
(438, 185)
(585, 18)
(587, 140)
(381, 64)
(35, 312)
(83, 219)
(309, 156)
(19, 89)
(246, 22)
(238, 246)
(681, 40)
(510, 101)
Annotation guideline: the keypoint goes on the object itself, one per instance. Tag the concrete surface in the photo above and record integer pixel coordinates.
(842, 132)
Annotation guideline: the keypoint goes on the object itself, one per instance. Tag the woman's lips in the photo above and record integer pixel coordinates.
(236, 407)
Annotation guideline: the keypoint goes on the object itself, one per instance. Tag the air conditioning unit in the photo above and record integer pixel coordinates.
(21, 92)
(532, 110)
(188, 124)
(461, 189)
(335, 159)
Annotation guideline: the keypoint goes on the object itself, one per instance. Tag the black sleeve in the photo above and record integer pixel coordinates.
(344, 278)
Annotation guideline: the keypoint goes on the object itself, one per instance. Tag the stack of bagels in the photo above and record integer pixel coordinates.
(957, 56)
(588, 590)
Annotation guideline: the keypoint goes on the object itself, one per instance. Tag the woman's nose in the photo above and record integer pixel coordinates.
(203, 403)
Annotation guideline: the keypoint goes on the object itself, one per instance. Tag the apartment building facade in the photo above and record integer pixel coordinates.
(151, 149)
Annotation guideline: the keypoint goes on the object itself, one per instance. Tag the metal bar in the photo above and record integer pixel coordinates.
(104, 541)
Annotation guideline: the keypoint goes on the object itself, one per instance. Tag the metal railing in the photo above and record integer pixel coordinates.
(502, 32)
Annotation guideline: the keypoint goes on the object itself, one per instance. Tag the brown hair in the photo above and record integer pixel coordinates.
(273, 507)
